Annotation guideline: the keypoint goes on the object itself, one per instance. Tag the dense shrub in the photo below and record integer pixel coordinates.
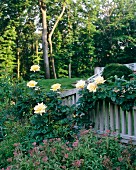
(15, 133)
(118, 70)
(89, 152)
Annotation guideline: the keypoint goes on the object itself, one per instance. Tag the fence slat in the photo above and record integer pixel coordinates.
(112, 117)
(130, 123)
(97, 116)
(135, 121)
(106, 115)
(123, 122)
(101, 115)
(117, 112)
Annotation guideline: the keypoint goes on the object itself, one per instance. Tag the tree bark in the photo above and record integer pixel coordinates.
(44, 40)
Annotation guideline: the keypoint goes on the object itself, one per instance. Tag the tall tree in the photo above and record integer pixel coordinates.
(7, 51)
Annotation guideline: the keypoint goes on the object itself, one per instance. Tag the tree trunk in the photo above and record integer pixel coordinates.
(18, 64)
(50, 39)
(44, 40)
(52, 58)
(69, 68)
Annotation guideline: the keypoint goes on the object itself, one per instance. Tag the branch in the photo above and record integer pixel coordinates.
(57, 21)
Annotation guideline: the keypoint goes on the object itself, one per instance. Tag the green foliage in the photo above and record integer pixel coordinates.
(88, 152)
(116, 69)
(120, 92)
(15, 133)
(7, 51)
(55, 122)
(48, 129)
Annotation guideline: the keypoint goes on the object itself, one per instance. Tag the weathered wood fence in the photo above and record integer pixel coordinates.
(108, 116)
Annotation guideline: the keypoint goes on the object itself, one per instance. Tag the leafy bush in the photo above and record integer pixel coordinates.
(120, 92)
(87, 152)
(55, 122)
(117, 69)
(15, 133)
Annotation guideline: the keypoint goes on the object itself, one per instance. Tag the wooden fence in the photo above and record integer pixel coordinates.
(108, 116)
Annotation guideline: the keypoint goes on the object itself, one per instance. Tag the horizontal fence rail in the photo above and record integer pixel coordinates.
(70, 97)
(108, 116)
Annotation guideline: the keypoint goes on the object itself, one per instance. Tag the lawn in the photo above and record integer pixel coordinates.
(66, 83)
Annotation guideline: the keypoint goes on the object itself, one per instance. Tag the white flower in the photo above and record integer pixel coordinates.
(31, 83)
(92, 87)
(55, 87)
(35, 68)
(40, 108)
(80, 84)
(99, 80)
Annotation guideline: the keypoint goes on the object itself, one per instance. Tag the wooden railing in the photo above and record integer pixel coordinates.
(70, 97)
(108, 116)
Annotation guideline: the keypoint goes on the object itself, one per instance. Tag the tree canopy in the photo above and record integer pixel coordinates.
(88, 34)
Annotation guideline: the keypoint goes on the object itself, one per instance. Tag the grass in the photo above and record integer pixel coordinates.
(66, 83)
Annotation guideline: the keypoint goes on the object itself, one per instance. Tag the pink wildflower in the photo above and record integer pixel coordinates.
(9, 160)
(15, 153)
(45, 159)
(45, 141)
(8, 168)
(53, 150)
(16, 144)
(69, 149)
(77, 163)
(120, 159)
(34, 143)
(107, 131)
(63, 167)
(75, 144)
(66, 155)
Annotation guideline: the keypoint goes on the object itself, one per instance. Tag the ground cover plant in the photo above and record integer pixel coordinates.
(42, 120)
(89, 152)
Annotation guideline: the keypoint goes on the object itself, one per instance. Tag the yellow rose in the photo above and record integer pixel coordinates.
(40, 108)
(35, 68)
(80, 84)
(99, 80)
(31, 83)
(55, 87)
(92, 87)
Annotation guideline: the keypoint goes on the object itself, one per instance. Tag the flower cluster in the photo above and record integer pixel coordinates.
(91, 86)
